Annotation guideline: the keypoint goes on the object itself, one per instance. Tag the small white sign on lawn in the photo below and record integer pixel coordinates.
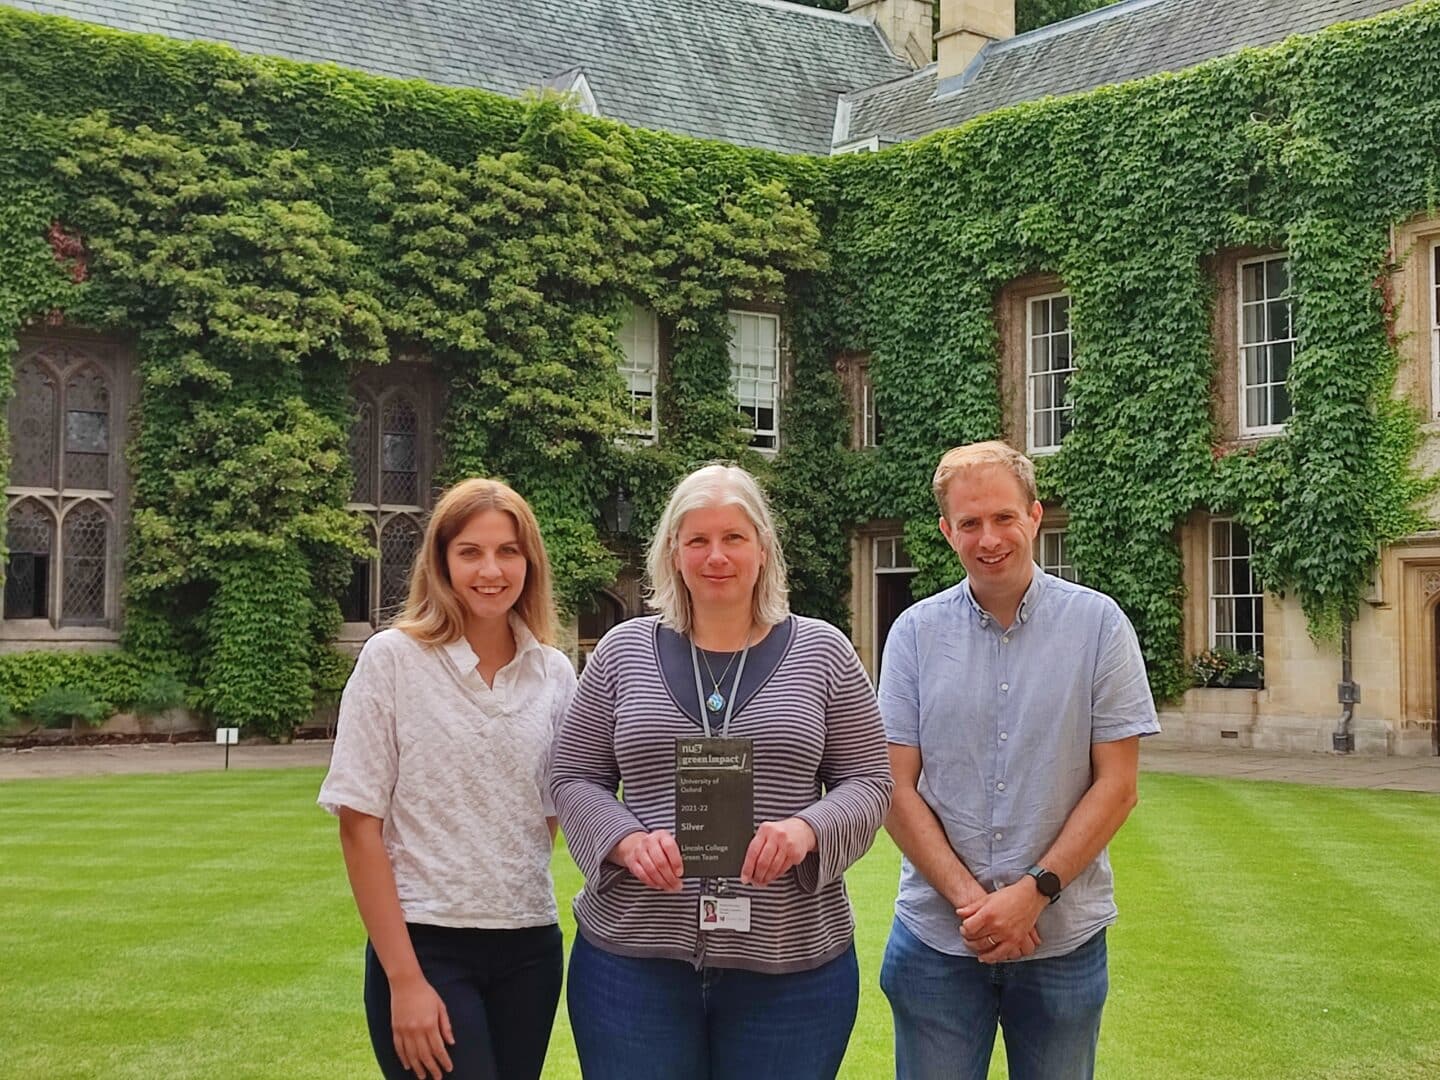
(227, 735)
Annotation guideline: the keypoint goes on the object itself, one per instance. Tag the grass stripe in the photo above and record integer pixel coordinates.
(1293, 889)
(199, 926)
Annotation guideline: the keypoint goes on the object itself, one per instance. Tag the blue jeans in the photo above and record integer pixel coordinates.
(946, 1008)
(644, 1019)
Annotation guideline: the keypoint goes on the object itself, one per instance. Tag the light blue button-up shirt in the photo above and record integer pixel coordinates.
(1004, 718)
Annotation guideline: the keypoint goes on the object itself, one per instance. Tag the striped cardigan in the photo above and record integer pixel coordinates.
(815, 728)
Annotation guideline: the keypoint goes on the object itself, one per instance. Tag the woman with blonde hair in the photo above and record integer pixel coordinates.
(734, 957)
(440, 780)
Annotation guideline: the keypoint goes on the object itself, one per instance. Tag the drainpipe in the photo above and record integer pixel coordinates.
(1348, 693)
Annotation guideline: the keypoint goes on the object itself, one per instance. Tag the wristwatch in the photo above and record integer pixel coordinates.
(1047, 881)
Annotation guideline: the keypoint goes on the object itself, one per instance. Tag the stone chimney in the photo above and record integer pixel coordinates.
(966, 26)
(906, 25)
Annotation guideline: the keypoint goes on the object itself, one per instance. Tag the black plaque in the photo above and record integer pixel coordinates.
(714, 805)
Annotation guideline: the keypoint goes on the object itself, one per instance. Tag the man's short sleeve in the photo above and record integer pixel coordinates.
(1121, 702)
(900, 682)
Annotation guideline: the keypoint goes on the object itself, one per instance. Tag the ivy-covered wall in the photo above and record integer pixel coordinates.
(1316, 147)
(263, 229)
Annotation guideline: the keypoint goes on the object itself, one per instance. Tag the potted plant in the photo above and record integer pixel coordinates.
(1227, 667)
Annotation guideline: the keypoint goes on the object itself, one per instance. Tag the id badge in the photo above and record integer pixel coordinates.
(725, 913)
(714, 805)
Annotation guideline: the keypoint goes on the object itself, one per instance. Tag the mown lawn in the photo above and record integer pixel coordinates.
(199, 926)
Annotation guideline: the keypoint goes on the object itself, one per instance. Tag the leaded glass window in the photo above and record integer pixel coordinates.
(32, 426)
(30, 534)
(60, 525)
(85, 539)
(87, 430)
(399, 457)
(399, 542)
(362, 457)
(357, 603)
(389, 451)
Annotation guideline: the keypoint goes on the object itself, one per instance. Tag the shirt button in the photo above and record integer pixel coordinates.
(1006, 639)
(1000, 786)
(999, 836)
(1004, 686)
(1004, 735)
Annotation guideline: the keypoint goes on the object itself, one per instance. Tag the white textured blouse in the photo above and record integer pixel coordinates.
(458, 771)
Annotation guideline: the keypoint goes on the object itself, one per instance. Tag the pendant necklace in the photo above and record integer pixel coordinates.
(716, 701)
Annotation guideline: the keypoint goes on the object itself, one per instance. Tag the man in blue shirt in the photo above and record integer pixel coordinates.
(1014, 705)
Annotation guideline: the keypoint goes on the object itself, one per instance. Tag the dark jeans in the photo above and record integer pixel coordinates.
(500, 988)
(946, 1009)
(640, 1019)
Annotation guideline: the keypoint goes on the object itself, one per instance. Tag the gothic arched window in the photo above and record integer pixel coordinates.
(399, 541)
(85, 541)
(32, 426)
(390, 456)
(30, 534)
(60, 524)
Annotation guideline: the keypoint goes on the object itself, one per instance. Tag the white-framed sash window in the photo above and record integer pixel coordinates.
(1267, 344)
(871, 430)
(640, 368)
(755, 374)
(1237, 603)
(1054, 554)
(1049, 364)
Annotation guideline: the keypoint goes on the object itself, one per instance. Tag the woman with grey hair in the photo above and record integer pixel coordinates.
(715, 936)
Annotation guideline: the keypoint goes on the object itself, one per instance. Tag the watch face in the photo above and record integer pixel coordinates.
(1047, 881)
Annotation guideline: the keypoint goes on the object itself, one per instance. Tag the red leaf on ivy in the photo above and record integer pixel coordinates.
(69, 248)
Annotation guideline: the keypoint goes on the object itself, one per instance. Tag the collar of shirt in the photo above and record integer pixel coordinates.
(1027, 606)
(465, 660)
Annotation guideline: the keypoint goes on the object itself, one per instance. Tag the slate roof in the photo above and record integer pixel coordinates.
(754, 72)
(1125, 41)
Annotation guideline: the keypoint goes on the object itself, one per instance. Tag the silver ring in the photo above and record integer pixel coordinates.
(991, 938)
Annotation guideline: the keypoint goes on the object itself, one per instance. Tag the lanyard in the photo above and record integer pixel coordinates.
(700, 690)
